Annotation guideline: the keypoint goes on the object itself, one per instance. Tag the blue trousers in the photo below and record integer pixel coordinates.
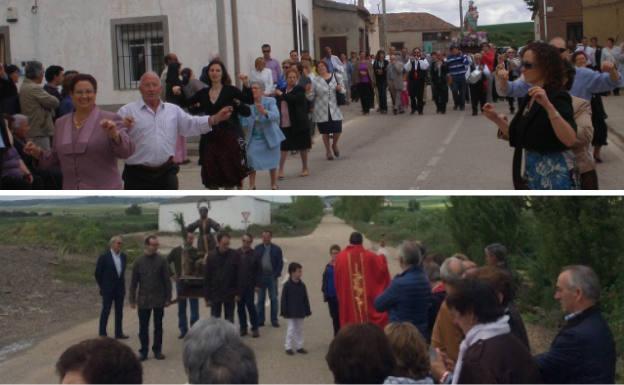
(268, 283)
(246, 304)
(183, 324)
(458, 89)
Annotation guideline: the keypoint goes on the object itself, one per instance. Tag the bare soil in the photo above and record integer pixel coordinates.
(33, 303)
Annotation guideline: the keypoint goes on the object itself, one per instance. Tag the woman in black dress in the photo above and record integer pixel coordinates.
(293, 106)
(222, 153)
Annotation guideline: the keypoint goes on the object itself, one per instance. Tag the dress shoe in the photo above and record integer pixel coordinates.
(182, 335)
(275, 324)
(290, 352)
(159, 356)
(122, 337)
(302, 351)
(243, 333)
(261, 325)
(143, 357)
(255, 333)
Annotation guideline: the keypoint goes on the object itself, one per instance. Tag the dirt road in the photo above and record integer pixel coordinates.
(36, 365)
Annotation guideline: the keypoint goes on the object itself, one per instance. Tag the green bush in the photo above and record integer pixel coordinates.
(135, 209)
(306, 208)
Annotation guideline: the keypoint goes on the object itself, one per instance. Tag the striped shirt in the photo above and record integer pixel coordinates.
(457, 65)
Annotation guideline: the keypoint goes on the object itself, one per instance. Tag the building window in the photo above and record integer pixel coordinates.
(398, 45)
(575, 32)
(139, 46)
(436, 36)
(305, 34)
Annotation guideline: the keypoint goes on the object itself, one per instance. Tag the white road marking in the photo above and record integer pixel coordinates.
(433, 162)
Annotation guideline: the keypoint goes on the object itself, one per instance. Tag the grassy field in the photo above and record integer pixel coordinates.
(514, 35)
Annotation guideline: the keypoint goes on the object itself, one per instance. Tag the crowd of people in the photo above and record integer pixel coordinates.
(441, 320)
(553, 90)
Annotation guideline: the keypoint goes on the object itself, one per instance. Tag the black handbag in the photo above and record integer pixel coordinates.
(341, 99)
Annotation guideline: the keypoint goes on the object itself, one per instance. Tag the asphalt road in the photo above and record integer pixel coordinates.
(36, 365)
(432, 152)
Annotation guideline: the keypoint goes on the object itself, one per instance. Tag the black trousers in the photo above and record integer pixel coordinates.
(478, 96)
(147, 178)
(333, 312)
(217, 308)
(417, 95)
(366, 96)
(144, 320)
(382, 90)
(107, 303)
(245, 305)
(512, 104)
(440, 93)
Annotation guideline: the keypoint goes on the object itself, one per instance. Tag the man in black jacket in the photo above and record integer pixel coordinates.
(249, 272)
(222, 279)
(110, 277)
(584, 350)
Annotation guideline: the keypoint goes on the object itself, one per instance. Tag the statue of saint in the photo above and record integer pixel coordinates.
(472, 18)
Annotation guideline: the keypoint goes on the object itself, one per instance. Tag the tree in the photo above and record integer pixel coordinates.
(413, 206)
(134, 210)
(475, 222)
(306, 208)
(358, 209)
(532, 4)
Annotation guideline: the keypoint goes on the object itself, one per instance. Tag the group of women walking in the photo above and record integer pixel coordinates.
(268, 123)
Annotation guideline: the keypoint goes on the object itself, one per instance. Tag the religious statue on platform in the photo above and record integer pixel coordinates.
(472, 18)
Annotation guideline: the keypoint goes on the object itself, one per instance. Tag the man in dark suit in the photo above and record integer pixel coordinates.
(417, 68)
(110, 276)
(584, 350)
(271, 262)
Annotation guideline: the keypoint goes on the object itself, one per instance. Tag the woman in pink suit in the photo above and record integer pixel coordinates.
(87, 142)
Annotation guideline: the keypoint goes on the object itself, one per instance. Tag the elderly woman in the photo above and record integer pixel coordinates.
(408, 297)
(395, 83)
(411, 355)
(364, 78)
(264, 136)
(294, 107)
(489, 353)
(327, 114)
(14, 175)
(544, 127)
(263, 75)
(87, 143)
(213, 353)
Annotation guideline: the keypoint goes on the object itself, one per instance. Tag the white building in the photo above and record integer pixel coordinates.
(118, 40)
(236, 212)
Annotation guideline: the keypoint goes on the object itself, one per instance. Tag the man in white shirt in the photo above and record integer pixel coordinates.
(110, 277)
(416, 68)
(155, 127)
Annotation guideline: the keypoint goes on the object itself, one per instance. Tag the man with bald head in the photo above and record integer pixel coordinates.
(586, 81)
(155, 127)
(584, 350)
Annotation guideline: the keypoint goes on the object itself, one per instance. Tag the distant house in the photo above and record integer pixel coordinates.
(603, 19)
(119, 40)
(419, 30)
(343, 27)
(235, 212)
(564, 18)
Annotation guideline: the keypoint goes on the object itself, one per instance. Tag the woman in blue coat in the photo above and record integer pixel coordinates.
(264, 136)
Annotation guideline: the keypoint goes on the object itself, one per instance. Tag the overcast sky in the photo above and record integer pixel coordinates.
(492, 11)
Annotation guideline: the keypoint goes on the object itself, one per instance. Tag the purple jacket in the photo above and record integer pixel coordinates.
(90, 162)
(11, 164)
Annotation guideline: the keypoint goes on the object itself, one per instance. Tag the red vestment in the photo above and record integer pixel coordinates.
(360, 277)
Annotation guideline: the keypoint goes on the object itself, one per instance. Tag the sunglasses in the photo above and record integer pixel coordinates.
(527, 66)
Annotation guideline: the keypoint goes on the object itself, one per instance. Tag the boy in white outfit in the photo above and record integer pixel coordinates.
(295, 306)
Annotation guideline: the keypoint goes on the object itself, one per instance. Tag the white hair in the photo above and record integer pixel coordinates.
(114, 239)
(214, 353)
(585, 279)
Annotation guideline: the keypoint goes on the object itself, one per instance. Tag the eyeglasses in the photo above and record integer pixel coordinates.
(527, 66)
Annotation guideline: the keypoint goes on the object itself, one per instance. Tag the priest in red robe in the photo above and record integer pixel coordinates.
(360, 277)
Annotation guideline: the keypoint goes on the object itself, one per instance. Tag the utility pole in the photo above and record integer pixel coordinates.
(385, 28)
(545, 21)
(461, 16)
